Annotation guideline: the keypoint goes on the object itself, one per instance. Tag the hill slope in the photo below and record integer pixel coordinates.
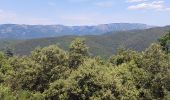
(14, 31)
(103, 45)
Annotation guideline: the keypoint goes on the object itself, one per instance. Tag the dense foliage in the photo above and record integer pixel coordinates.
(54, 74)
(165, 42)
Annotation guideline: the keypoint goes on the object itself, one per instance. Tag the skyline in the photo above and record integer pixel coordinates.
(84, 12)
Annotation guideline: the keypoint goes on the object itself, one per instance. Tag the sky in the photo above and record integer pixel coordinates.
(84, 12)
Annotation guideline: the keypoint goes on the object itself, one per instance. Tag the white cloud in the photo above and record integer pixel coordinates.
(158, 2)
(136, 1)
(154, 5)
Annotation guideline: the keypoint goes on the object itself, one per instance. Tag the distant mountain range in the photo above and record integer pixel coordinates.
(15, 31)
(103, 45)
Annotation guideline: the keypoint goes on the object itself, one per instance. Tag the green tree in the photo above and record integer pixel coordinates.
(9, 52)
(124, 56)
(5, 68)
(7, 94)
(78, 51)
(93, 81)
(156, 62)
(36, 72)
(165, 42)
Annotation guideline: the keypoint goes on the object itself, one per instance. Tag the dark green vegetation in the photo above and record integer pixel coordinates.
(103, 45)
(165, 42)
(54, 74)
(15, 31)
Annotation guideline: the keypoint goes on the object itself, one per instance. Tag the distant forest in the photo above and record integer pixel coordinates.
(102, 45)
(51, 73)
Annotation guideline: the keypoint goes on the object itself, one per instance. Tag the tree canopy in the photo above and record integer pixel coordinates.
(165, 42)
(51, 73)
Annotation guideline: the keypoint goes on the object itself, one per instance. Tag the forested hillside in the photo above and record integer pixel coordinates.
(52, 73)
(103, 45)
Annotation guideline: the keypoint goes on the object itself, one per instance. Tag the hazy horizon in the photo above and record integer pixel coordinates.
(84, 24)
(84, 12)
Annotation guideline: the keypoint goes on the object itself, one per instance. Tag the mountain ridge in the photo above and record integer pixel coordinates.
(17, 31)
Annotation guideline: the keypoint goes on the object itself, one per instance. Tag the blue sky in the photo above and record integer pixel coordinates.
(84, 12)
